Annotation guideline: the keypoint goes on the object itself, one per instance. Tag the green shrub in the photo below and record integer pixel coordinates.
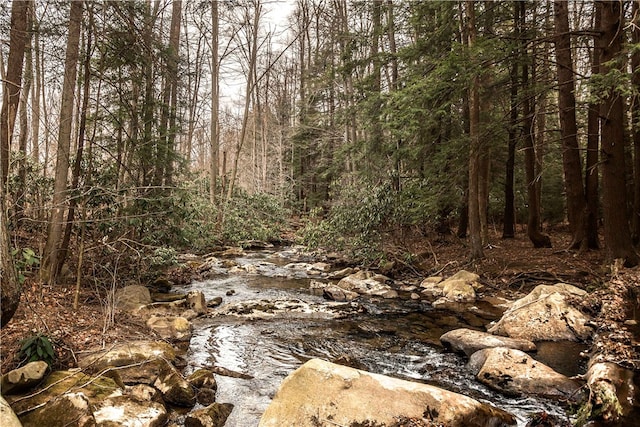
(36, 347)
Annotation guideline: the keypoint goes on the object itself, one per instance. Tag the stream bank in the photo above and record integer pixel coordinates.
(271, 321)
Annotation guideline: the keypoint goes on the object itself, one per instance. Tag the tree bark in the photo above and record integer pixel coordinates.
(635, 120)
(538, 239)
(571, 162)
(593, 145)
(509, 218)
(616, 221)
(48, 268)
(475, 232)
(12, 81)
(215, 105)
(9, 284)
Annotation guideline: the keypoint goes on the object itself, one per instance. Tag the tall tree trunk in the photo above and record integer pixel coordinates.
(48, 268)
(12, 81)
(475, 232)
(174, 48)
(21, 189)
(572, 164)
(593, 145)
(215, 104)
(538, 239)
(509, 219)
(635, 120)
(616, 221)
(77, 164)
(248, 93)
(9, 285)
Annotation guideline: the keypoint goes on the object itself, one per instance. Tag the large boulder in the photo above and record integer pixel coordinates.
(320, 392)
(69, 409)
(23, 378)
(514, 372)
(545, 314)
(132, 297)
(8, 418)
(57, 384)
(139, 362)
(469, 341)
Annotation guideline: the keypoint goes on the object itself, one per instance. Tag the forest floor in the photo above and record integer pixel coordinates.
(511, 266)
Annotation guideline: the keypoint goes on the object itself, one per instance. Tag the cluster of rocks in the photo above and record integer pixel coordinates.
(134, 383)
(499, 358)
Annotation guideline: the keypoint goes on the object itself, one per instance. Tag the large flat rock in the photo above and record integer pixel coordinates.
(320, 393)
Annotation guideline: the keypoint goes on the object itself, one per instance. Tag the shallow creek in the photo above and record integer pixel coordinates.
(398, 338)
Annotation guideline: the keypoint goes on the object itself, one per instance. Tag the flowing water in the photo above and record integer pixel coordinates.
(397, 338)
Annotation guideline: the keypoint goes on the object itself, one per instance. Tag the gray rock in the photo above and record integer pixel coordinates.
(23, 378)
(196, 302)
(469, 341)
(70, 409)
(203, 378)
(8, 418)
(335, 293)
(172, 328)
(126, 412)
(321, 390)
(545, 315)
(214, 415)
(175, 389)
(140, 362)
(514, 372)
(132, 297)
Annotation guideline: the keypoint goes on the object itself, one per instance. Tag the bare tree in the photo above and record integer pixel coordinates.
(48, 269)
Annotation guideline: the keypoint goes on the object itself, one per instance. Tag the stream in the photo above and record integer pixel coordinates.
(397, 337)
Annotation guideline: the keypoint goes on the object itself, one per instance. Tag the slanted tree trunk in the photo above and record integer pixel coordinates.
(616, 221)
(48, 268)
(571, 162)
(9, 285)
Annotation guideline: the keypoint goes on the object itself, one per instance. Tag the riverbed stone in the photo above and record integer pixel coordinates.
(197, 302)
(336, 293)
(8, 418)
(126, 412)
(368, 283)
(132, 297)
(23, 378)
(321, 391)
(203, 378)
(514, 372)
(139, 362)
(69, 409)
(545, 314)
(214, 415)
(341, 274)
(175, 389)
(56, 384)
(459, 288)
(468, 341)
(172, 328)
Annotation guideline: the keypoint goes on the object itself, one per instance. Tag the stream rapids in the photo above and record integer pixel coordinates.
(397, 337)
